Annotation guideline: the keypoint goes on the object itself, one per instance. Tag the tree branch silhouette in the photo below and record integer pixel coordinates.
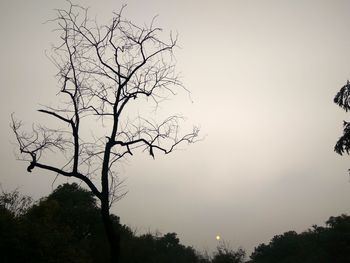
(101, 70)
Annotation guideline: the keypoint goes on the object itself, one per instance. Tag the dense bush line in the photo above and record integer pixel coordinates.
(66, 227)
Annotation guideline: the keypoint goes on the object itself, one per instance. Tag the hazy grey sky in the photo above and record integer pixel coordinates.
(262, 74)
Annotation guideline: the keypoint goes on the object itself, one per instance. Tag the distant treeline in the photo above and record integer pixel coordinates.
(66, 227)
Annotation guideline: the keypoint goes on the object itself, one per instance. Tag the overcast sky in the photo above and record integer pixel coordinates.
(262, 76)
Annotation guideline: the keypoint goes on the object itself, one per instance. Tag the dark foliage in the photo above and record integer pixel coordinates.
(226, 255)
(319, 244)
(342, 99)
(67, 227)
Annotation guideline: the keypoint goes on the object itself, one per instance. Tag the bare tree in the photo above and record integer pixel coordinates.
(101, 71)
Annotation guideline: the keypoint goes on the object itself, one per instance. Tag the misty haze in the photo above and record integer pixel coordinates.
(175, 131)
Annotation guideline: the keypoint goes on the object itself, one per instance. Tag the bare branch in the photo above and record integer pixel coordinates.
(56, 115)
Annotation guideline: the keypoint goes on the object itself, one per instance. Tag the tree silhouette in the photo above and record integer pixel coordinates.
(66, 226)
(102, 71)
(225, 254)
(342, 99)
(318, 244)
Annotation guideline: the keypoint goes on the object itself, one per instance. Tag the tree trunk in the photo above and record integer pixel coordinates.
(113, 235)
